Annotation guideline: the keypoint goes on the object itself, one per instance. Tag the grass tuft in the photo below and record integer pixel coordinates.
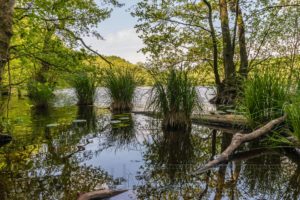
(174, 96)
(293, 116)
(121, 86)
(265, 94)
(85, 88)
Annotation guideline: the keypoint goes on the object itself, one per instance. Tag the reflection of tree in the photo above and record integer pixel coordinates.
(66, 185)
(51, 165)
(169, 161)
(292, 189)
(262, 174)
(122, 134)
(226, 139)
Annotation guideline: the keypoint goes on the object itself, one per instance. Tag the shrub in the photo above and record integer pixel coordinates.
(174, 96)
(85, 88)
(40, 94)
(264, 96)
(120, 86)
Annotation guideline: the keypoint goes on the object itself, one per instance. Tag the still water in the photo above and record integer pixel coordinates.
(68, 150)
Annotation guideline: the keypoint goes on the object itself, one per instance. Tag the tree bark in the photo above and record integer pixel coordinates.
(243, 71)
(6, 22)
(238, 139)
(215, 46)
(227, 46)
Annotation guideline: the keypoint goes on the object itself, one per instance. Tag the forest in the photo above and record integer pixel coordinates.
(213, 112)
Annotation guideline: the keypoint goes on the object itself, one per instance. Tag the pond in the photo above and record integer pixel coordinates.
(69, 150)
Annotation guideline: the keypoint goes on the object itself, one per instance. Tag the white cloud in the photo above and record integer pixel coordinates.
(123, 43)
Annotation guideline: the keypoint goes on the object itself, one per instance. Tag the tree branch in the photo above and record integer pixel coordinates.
(237, 140)
(86, 46)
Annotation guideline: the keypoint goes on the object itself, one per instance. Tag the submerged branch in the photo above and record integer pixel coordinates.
(238, 139)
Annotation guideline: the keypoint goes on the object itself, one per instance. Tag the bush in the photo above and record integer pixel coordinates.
(40, 94)
(121, 86)
(85, 88)
(264, 96)
(175, 97)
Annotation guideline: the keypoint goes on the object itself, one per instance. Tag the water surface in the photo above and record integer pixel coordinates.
(69, 150)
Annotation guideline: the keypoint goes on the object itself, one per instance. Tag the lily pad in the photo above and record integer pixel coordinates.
(79, 121)
(115, 121)
(52, 125)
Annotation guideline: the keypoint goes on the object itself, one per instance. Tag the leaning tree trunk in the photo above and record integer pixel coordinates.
(6, 22)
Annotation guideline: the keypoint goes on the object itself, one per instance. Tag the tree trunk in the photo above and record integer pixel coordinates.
(227, 89)
(243, 71)
(215, 47)
(227, 46)
(6, 22)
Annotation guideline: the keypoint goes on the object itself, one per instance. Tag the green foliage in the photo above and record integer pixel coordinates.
(85, 88)
(40, 94)
(293, 115)
(264, 96)
(175, 97)
(121, 85)
(47, 36)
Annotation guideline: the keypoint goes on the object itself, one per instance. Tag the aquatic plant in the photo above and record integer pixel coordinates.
(264, 96)
(40, 94)
(174, 96)
(85, 88)
(120, 86)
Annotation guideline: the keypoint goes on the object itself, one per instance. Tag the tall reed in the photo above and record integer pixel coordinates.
(120, 86)
(85, 88)
(174, 96)
(292, 111)
(264, 96)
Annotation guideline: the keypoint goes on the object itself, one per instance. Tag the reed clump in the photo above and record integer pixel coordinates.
(85, 88)
(174, 96)
(121, 86)
(264, 96)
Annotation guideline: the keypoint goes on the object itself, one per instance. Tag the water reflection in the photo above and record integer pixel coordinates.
(56, 154)
(88, 113)
(169, 161)
(48, 164)
(122, 133)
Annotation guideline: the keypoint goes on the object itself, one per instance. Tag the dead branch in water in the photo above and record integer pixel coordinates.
(239, 139)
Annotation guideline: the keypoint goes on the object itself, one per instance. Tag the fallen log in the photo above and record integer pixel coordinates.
(216, 120)
(239, 139)
(228, 120)
(100, 194)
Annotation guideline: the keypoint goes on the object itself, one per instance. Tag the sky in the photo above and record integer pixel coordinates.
(120, 37)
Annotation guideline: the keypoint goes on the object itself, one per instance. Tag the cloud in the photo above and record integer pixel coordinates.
(123, 43)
